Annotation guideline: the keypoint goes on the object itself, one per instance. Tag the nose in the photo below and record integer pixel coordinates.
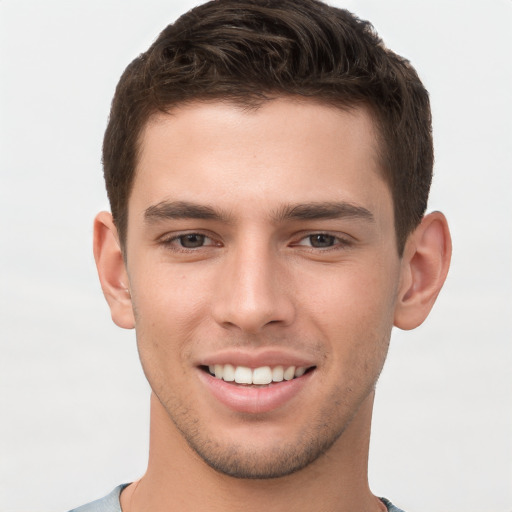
(253, 291)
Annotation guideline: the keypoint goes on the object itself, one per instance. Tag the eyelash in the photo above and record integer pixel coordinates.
(171, 242)
(338, 242)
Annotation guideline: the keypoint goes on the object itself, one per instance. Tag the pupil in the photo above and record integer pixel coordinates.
(321, 240)
(191, 241)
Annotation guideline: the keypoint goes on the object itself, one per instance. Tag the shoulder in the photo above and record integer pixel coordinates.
(390, 506)
(109, 503)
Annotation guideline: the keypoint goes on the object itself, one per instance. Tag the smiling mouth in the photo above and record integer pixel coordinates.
(260, 376)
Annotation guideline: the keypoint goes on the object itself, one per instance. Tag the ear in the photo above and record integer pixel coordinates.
(425, 265)
(112, 271)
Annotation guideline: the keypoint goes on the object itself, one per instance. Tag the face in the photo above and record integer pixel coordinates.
(263, 271)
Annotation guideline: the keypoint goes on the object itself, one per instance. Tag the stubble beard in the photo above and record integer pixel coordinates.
(283, 458)
(286, 455)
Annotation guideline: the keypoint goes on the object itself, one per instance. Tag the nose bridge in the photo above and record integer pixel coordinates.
(252, 291)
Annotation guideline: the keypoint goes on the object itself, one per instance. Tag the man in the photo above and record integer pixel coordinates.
(268, 167)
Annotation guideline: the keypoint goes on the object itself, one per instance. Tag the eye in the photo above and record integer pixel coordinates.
(321, 240)
(318, 241)
(188, 242)
(192, 240)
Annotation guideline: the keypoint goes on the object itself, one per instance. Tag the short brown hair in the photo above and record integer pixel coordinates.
(249, 50)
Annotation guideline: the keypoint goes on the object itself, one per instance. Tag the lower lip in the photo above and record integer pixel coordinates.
(252, 399)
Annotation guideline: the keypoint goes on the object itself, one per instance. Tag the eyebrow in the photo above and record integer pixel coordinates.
(306, 211)
(323, 210)
(182, 210)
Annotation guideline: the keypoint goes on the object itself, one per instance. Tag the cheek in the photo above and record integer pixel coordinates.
(353, 311)
(164, 296)
(169, 309)
(351, 293)
(163, 342)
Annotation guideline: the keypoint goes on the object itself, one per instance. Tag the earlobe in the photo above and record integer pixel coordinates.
(425, 265)
(112, 270)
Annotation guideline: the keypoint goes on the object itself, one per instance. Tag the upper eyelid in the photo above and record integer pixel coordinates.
(335, 234)
(166, 237)
(341, 242)
(297, 237)
(170, 241)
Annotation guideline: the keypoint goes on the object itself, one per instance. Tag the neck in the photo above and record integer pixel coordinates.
(177, 476)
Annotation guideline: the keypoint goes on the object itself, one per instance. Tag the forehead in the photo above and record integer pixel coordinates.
(285, 150)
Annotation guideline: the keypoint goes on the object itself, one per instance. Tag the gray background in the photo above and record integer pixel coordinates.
(73, 401)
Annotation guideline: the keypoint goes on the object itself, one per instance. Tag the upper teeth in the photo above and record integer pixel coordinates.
(261, 375)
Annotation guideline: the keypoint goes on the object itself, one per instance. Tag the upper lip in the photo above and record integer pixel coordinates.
(256, 358)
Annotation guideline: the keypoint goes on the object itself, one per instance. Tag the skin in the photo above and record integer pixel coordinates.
(261, 279)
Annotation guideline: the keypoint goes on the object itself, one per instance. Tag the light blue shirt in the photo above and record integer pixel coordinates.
(110, 503)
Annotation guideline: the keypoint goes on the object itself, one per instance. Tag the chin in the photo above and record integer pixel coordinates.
(268, 463)
(259, 452)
